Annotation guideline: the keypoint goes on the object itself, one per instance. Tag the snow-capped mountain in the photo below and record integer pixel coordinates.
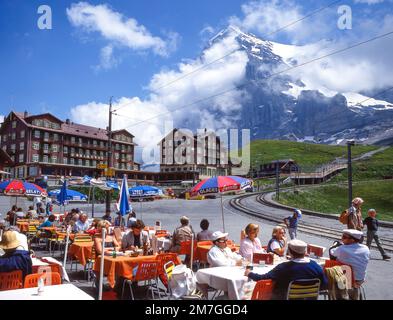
(279, 105)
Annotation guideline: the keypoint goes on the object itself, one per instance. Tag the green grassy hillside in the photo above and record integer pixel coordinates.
(333, 198)
(305, 154)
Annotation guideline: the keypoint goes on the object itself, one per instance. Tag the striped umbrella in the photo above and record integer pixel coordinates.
(220, 185)
(21, 188)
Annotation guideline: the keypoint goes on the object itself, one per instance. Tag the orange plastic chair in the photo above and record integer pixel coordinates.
(31, 280)
(11, 280)
(205, 243)
(185, 247)
(317, 250)
(147, 271)
(263, 290)
(162, 259)
(333, 263)
(267, 257)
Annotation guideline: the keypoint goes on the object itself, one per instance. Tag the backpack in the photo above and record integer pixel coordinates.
(344, 217)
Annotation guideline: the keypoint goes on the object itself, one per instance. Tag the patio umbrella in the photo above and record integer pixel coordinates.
(144, 191)
(101, 279)
(18, 188)
(71, 194)
(123, 204)
(220, 185)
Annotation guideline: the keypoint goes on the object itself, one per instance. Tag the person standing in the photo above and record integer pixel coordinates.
(291, 222)
(48, 206)
(37, 201)
(355, 220)
(372, 232)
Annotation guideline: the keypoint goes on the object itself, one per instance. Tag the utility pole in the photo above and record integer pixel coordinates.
(278, 180)
(109, 155)
(350, 143)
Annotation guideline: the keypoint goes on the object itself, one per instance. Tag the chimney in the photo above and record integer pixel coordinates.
(67, 121)
(25, 114)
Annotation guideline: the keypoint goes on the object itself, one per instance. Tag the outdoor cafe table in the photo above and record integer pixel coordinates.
(24, 224)
(231, 279)
(50, 264)
(81, 251)
(55, 292)
(121, 266)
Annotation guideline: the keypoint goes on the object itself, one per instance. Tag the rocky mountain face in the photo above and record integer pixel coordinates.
(272, 110)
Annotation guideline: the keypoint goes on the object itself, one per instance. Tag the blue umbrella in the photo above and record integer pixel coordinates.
(71, 194)
(62, 196)
(112, 184)
(144, 191)
(123, 203)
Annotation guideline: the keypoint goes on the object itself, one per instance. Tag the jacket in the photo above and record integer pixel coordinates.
(16, 260)
(337, 283)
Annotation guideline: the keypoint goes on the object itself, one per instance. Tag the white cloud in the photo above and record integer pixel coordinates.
(165, 100)
(1, 118)
(118, 30)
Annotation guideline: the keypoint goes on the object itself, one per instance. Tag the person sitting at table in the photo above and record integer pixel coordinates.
(251, 243)
(355, 254)
(220, 255)
(299, 267)
(14, 259)
(182, 233)
(32, 213)
(110, 241)
(107, 216)
(23, 245)
(205, 234)
(48, 223)
(278, 242)
(136, 238)
(10, 217)
(92, 230)
(119, 220)
(81, 225)
(131, 220)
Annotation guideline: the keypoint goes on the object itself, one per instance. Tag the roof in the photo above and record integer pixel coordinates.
(5, 158)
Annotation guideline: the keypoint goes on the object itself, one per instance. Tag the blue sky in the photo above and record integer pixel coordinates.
(131, 49)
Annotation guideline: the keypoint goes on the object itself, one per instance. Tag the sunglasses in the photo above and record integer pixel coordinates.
(222, 240)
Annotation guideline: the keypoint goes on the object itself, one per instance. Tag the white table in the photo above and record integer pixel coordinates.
(57, 292)
(228, 279)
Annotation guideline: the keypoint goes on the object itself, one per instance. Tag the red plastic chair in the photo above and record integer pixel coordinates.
(11, 280)
(333, 263)
(267, 257)
(185, 247)
(205, 243)
(263, 290)
(31, 280)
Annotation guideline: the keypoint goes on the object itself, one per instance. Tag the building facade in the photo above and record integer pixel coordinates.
(187, 156)
(43, 145)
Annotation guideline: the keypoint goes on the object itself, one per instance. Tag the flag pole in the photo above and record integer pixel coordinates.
(222, 214)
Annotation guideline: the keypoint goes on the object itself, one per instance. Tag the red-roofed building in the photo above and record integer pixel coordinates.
(43, 145)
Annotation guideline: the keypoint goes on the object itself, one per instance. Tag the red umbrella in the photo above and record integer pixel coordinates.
(21, 188)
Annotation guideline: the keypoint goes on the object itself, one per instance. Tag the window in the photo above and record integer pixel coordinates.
(21, 157)
(45, 159)
(65, 149)
(22, 134)
(46, 124)
(13, 124)
(37, 134)
(116, 156)
(72, 150)
(65, 160)
(13, 136)
(46, 146)
(13, 147)
(72, 140)
(5, 138)
(54, 159)
(22, 146)
(72, 161)
(56, 137)
(35, 158)
(36, 146)
(87, 163)
(80, 162)
(54, 148)
(46, 135)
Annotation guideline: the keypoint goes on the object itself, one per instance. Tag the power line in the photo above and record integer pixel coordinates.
(270, 76)
(232, 52)
(379, 93)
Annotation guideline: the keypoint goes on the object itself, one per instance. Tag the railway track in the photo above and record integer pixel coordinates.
(320, 231)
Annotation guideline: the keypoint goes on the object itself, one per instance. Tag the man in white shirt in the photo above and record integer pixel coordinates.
(220, 255)
(82, 224)
(355, 254)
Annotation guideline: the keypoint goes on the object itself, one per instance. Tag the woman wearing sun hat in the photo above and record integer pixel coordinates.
(14, 259)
